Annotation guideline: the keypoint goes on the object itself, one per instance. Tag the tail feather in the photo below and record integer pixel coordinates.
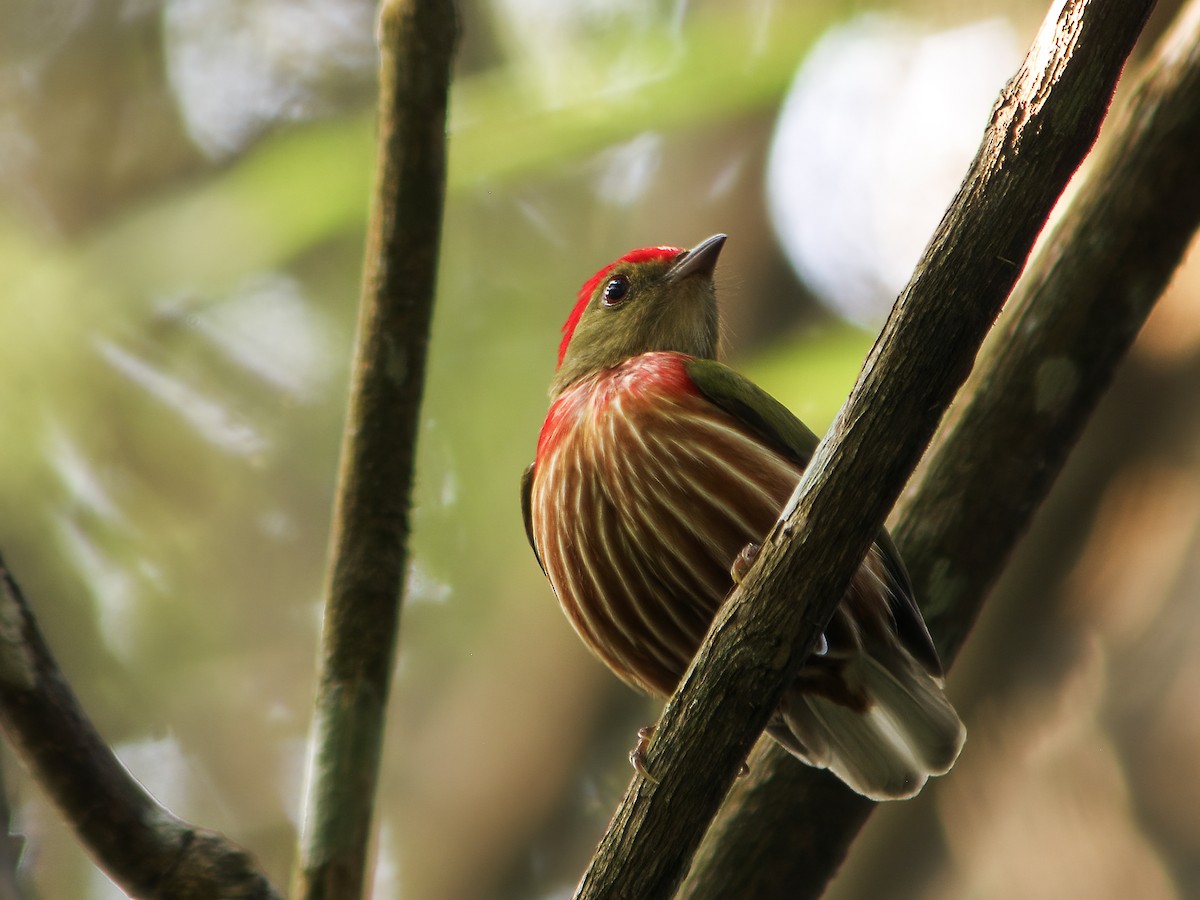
(916, 701)
(907, 731)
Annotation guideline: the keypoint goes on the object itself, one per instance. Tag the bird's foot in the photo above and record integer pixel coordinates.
(637, 756)
(743, 561)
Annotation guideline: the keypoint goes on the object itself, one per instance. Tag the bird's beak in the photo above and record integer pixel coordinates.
(700, 260)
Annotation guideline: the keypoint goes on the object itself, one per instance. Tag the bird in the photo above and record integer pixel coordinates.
(658, 472)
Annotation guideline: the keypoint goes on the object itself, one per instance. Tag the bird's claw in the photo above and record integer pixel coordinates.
(743, 561)
(637, 756)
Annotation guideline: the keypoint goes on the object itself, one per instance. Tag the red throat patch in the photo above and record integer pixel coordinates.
(643, 381)
(585, 293)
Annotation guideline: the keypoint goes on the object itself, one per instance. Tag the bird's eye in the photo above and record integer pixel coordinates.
(615, 291)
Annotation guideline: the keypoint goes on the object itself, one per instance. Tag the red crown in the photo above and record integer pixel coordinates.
(645, 254)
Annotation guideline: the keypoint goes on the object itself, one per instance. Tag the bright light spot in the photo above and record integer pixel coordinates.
(278, 525)
(628, 170)
(100, 886)
(424, 588)
(114, 590)
(763, 11)
(291, 774)
(79, 478)
(727, 178)
(557, 46)
(872, 142)
(238, 67)
(266, 327)
(387, 866)
(212, 420)
(161, 767)
(449, 494)
(548, 230)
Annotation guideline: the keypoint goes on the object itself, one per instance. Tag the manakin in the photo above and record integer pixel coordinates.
(658, 472)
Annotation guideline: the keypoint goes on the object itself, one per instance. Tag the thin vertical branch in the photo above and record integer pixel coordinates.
(1083, 300)
(371, 519)
(1045, 123)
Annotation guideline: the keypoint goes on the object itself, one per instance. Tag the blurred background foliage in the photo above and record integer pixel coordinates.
(183, 191)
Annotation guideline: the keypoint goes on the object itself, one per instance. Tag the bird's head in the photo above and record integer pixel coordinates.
(656, 298)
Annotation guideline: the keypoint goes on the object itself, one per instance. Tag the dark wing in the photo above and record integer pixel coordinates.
(754, 407)
(910, 627)
(526, 514)
(779, 427)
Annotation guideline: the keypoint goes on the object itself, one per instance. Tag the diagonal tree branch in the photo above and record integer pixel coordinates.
(143, 847)
(1075, 314)
(1043, 126)
(1085, 297)
(371, 523)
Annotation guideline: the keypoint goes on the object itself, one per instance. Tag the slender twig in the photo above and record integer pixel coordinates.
(1044, 124)
(1085, 296)
(369, 548)
(144, 848)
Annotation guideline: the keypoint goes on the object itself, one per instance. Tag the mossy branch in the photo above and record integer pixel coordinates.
(1042, 127)
(369, 548)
